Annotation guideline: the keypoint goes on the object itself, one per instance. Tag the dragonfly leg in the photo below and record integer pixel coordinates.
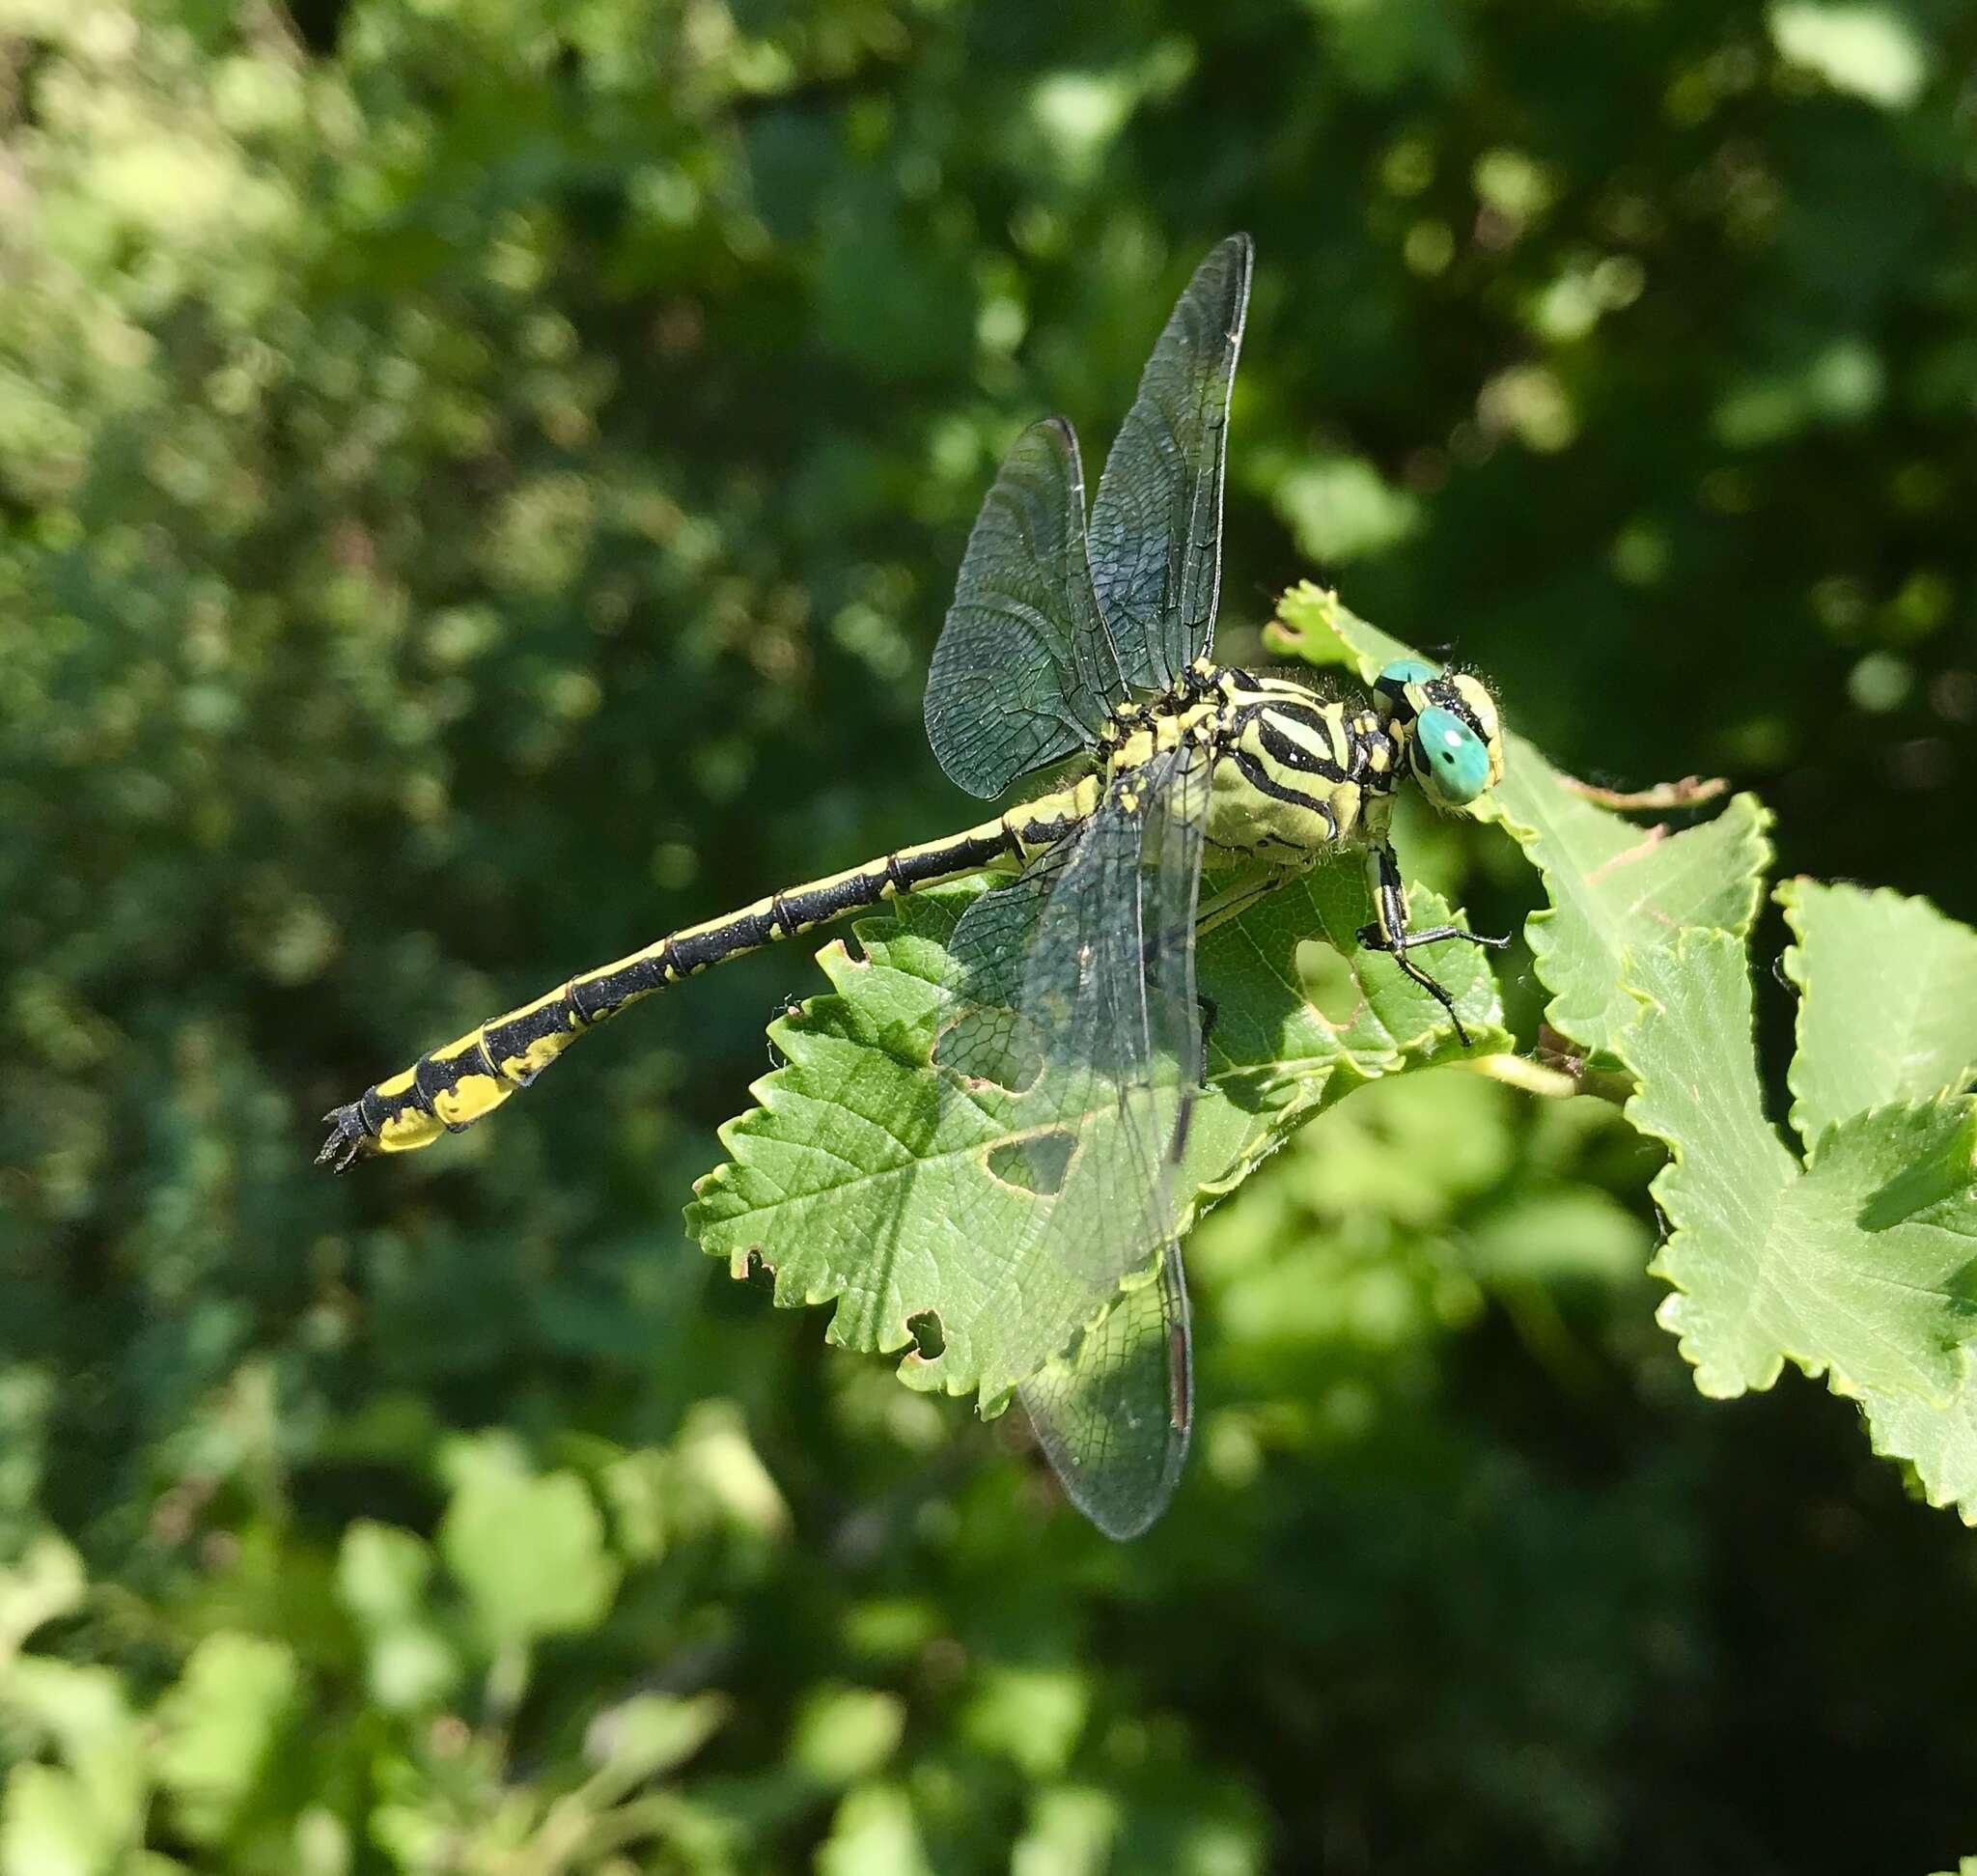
(1437, 935)
(1389, 930)
(1237, 899)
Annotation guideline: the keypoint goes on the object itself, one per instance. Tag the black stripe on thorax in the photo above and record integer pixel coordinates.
(1293, 754)
(1259, 778)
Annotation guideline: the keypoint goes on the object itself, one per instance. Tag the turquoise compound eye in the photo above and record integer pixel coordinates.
(1404, 671)
(1453, 760)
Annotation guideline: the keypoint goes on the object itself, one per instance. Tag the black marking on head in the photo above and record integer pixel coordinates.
(1371, 776)
(1444, 693)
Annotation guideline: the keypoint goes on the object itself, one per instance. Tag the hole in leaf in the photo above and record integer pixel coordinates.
(929, 1338)
(1038, 1165)
(1327, 982)
(989, 1044)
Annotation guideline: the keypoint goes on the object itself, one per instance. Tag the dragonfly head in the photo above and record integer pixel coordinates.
(1449, 726)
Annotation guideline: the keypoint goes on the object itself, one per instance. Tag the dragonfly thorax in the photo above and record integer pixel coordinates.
(1297, 774)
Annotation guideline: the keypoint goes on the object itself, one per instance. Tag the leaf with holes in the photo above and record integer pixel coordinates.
(851, 1177)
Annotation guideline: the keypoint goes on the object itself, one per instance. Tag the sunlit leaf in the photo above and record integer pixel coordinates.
(1856, 1264)
(1887, 1002)
(847, 1179)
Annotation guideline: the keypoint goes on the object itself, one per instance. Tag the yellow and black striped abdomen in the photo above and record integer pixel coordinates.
(454, 1087)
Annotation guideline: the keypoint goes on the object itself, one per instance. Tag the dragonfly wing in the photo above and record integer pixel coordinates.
(1024, 671)
(1113, 1417)
(1102, 925)
(1157, 525)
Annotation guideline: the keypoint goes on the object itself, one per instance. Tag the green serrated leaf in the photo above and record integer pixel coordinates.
(1857, 1267)
(1938, 1441)
(1887, 1002)
(847, 1179)
(1616, 890)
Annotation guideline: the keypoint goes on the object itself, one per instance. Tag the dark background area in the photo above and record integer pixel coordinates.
(479, 485)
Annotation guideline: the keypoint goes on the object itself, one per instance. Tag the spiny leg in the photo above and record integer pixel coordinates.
(1389, 930)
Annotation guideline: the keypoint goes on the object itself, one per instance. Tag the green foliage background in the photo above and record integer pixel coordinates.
(479, 483)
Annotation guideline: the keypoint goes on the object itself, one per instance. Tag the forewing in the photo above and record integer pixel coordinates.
(1108, 1047)
(1023, 672)
(1157, 527)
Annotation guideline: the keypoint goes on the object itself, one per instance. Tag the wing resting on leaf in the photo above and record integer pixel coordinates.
(1096, 939)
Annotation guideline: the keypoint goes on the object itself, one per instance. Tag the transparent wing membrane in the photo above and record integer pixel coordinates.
(1078, 980)
(1157, 525)
(1114, 1415)
(1023, 672)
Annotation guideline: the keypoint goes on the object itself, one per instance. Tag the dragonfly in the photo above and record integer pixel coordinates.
(1083, 633)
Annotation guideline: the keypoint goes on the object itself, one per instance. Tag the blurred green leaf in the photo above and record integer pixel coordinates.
(873, 1835)
(1030, 1715)
(530, 1553)
(1869, 50)
(219, 1729)
(50, 1826)
(45, 1582)
(381, 1576)
(655, 1733)
(846, 1733)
